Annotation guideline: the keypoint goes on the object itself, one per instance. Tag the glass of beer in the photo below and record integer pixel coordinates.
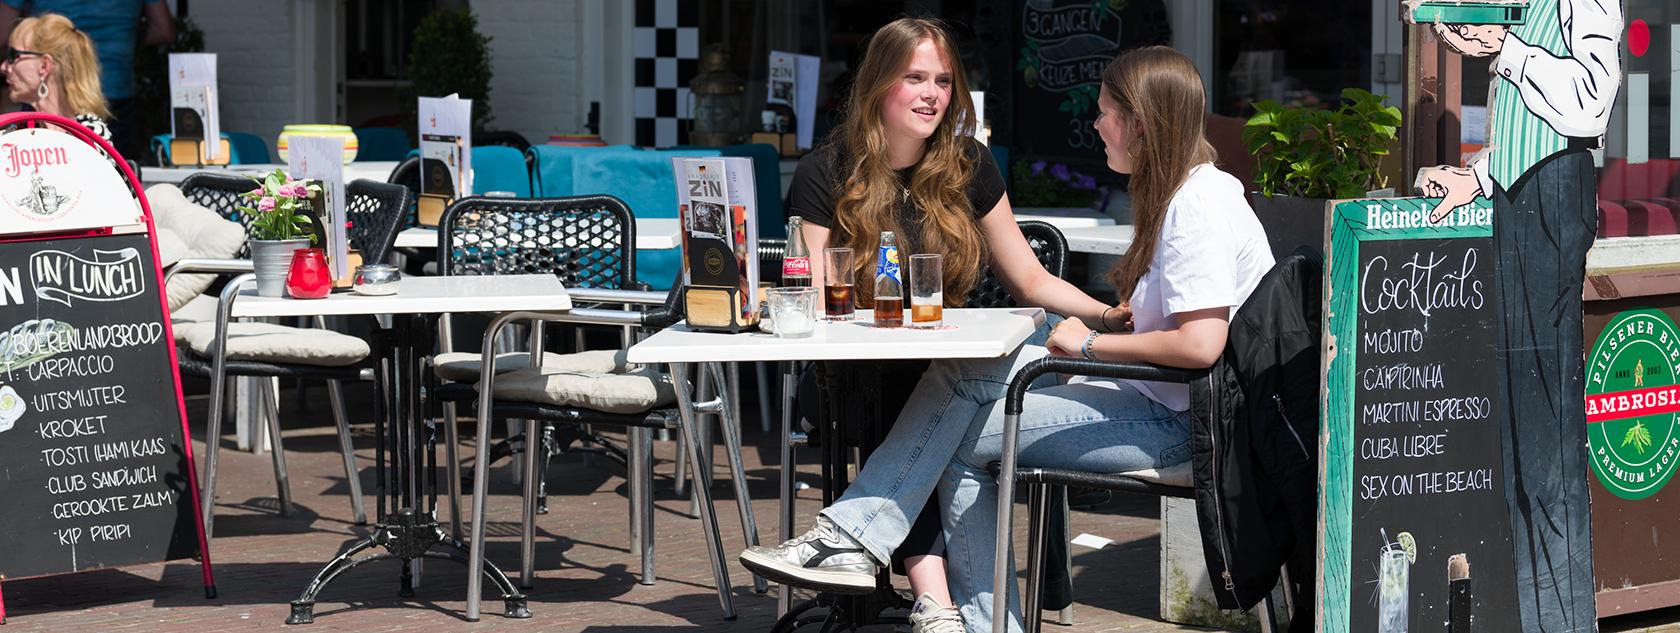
(927, 291)
(838, 303)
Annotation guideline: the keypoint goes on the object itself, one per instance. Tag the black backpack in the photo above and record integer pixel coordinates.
(1254, 431)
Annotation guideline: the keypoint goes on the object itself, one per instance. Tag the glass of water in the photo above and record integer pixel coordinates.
(793, 311)
(927, 291)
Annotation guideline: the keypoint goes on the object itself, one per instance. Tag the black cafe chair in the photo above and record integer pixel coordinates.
(375, 211)
(587, 241)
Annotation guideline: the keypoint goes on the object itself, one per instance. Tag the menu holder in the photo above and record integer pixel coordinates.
(716, 201)
(187, 152)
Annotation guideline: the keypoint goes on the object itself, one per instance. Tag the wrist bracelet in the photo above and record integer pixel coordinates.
(1104, 318)
(1085, 350)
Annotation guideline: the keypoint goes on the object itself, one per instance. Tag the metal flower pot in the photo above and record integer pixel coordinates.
(272, 259)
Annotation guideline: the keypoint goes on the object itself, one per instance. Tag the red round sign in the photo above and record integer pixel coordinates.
(1639, 37)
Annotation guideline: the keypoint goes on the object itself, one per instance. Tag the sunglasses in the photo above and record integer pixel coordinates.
(14, 54)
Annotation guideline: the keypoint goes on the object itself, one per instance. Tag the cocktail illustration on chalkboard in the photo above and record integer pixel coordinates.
(1394, 582)
(11, 408)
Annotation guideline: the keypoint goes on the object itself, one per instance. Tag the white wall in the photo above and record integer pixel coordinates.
(253, 45)
(534, 83)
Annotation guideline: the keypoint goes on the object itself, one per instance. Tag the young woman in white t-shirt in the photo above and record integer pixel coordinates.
(1197, 253)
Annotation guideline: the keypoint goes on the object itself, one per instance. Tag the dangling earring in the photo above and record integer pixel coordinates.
(41, 90)
(1131, 151)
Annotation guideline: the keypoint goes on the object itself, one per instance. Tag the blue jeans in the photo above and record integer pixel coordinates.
(951, 429)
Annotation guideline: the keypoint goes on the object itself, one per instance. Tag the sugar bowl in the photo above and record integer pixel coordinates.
(376, 279)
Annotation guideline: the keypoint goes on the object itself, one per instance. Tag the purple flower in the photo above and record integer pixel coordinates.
(1038, 168)
(266, 203)
(1084, 182)
(1060, 171)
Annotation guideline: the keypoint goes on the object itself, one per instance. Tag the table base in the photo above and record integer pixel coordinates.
(407, 537)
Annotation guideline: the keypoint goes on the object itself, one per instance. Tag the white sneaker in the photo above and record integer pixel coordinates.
(926, 616)
(823, 558)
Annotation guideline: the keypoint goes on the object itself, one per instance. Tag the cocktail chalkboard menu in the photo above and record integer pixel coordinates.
(92, 469)
(1415, 531)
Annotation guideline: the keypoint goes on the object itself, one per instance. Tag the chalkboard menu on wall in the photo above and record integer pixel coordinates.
(93, 471)
(1062, 48)
(1416, 534)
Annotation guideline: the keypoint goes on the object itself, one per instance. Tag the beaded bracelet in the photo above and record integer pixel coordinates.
(1085, 350)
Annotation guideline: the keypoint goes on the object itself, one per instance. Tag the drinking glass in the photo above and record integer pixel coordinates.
(927, 291)
(793, 311)
(837, 286)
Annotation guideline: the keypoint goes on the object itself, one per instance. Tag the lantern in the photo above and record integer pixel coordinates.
(715, 119)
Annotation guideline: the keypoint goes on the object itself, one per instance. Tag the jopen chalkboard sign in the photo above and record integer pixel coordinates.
(1416, 537)
(95, 459)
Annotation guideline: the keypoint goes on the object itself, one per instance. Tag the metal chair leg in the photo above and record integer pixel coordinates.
(790, 383)
(452, 453)
(703, 496)
(282, 482)
(528, 517)
(1037, 524)
(213, 445)
(730, 422)
(641, 499)
(1268, 618)
(761, 372)
(335, 394)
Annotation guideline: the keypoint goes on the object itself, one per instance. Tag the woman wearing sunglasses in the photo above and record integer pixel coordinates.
(50, 66)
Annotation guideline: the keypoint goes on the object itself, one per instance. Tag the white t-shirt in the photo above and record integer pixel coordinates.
(1212, 253)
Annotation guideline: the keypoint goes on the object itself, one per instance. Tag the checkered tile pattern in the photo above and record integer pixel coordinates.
(667, 52)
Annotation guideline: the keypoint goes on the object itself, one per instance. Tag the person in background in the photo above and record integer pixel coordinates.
(50, 67)
(114, 26)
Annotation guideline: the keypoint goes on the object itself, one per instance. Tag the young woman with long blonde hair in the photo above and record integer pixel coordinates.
(1198, 252)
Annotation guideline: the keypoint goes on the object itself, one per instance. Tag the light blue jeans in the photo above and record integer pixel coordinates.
(951, 429)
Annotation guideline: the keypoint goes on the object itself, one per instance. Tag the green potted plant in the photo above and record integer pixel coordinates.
(1306, 156)
(279, 225)
(450, 56)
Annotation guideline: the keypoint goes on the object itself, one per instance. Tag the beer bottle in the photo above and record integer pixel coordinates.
(889, 284)
(796, 261)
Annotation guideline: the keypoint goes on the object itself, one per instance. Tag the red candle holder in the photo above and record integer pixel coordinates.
(309, 277)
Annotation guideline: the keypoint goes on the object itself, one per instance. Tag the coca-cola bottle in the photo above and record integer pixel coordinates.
(889, 284)
(796, 261)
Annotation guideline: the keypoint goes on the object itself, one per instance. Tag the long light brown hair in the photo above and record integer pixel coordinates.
(76, 67)
(1160, 94)
(870, 193)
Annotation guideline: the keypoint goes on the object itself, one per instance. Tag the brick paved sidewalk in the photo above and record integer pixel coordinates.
(585, 574)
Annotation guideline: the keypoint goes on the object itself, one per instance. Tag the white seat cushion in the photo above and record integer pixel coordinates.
(463, 366)
(202, 309)
(186, 230)
(1175, 475)
(270, 343)
(636, 391)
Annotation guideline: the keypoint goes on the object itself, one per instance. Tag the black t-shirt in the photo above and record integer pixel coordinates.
(821, 174)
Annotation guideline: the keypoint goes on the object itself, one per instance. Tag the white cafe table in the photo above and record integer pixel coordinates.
(1064, 218)
(368, 170)
(407, 525)
(1112, 239)
(651, 234)
(970, 333)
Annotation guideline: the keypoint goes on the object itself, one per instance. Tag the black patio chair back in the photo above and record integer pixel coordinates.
(407, 174)
(586, 241)
(1050, 247)
(219, 193)
(375, 209)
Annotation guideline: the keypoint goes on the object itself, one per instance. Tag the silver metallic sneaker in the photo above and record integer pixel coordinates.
(824, 559)
(926, 616)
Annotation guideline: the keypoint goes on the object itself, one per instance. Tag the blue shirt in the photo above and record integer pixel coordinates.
(111, 24)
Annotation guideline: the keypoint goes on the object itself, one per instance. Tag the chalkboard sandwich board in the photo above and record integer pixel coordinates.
(1413, 525)
(95, 457)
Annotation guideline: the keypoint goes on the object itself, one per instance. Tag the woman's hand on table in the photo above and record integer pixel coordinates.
(1068, 338)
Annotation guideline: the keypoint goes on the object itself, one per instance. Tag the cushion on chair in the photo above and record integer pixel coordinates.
(186, 230)
(637, 391)
(463, 366)
(1175, 475)
(202, 309)
(271, 343)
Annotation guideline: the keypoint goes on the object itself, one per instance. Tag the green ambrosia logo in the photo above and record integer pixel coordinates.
(1633, 403)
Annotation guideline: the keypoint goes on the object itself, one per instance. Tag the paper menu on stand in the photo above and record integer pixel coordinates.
(194, 113)
(445, 154)
(793, 83)
(322, 159)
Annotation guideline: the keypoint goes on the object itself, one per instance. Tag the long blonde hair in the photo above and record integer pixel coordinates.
(76, 72)
(1160, 93)
(870, 194)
